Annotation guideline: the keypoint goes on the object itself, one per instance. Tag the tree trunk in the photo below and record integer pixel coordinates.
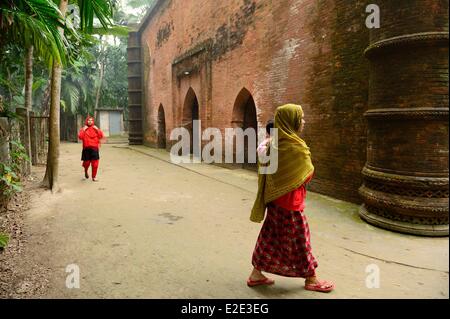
(100, 82)
(46, 99)
(51, 172)
(29, 78)
(9, 86)
(97, 98)
(28, 105)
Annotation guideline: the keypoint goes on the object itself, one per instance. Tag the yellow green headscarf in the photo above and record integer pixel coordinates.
(294, 161)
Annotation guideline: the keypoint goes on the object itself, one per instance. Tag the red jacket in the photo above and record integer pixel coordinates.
(294, 200)
(91, 136)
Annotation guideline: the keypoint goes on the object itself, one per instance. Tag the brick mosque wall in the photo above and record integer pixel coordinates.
(308, 52)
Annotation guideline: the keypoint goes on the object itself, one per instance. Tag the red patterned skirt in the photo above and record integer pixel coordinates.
(283, 246)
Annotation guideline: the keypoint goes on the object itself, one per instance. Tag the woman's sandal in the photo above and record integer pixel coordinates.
(265, 281)
(320, 286)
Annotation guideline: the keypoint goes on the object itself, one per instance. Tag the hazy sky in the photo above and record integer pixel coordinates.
(128, 9)
(124, 5)
(138, 12)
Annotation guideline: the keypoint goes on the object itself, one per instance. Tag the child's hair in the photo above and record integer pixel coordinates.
(269, 125)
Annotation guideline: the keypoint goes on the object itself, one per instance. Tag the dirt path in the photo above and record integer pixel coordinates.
(150, 229)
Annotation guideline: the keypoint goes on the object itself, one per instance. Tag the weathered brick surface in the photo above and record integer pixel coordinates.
(406, 174)
(411, 16)
(411, 74)
(287, 51)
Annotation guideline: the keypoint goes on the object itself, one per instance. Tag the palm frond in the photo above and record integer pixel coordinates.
(39, 83)
(35, 22)
(101, 9)
(70, 94)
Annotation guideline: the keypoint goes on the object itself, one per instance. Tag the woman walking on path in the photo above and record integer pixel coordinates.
(283, 246)
(91, 136)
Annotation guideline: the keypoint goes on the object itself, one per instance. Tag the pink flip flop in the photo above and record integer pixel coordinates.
(261, 282)
(321, 286)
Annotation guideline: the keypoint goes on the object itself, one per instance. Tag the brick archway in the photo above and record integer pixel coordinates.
(161, 127)
(191, 113)
(244, 116)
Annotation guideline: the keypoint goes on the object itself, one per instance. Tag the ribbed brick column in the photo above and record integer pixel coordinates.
(405, 185)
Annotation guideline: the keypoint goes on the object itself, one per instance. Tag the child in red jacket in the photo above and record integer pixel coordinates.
(91, 136)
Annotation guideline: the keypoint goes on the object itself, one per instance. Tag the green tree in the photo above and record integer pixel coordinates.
(115, 91)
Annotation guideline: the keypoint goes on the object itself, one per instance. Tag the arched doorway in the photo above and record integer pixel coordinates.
(244, 116)
(161, 127)
(190, 114)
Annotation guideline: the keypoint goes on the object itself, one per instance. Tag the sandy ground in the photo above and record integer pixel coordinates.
(152, 229)
(20, 277)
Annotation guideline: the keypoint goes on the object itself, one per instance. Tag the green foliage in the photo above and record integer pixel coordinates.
(35, 23)
(4, 239)
(119, 31)
(18, 155)
(115, 82)
(81, 80)
(77, 87)
(101, 9)
(9, 181)
(10, 174)
(78, 81)
(12, 78)
(99, 42)
(7, 113)
(12, 73)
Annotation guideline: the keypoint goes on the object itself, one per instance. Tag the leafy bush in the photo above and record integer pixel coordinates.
(18, 156)
(9, 180)
(3, 240)
(10, 173)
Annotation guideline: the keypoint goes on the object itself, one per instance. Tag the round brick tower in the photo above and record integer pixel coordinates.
(405, 179)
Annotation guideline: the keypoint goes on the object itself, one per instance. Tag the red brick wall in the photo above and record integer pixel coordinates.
(287, 51)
